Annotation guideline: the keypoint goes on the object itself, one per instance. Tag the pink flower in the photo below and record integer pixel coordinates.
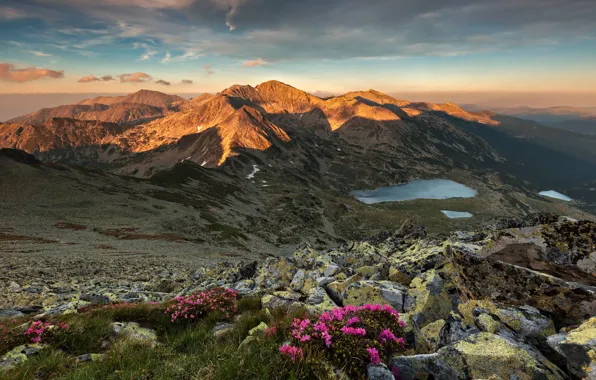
(386, 335)
(294, 353)
(374, 356)
(352, 320)
(359, 331)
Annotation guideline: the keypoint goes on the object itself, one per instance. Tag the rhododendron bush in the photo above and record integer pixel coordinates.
(191, 308)
(351, 337)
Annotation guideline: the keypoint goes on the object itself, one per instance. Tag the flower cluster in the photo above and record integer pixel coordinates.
(196, 306)
(349, 336)
(38, 328)
(293, 353)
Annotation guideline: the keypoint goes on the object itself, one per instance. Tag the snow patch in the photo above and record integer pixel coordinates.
(204, 163)
(255, 169)
(199, 129)
(555, 194)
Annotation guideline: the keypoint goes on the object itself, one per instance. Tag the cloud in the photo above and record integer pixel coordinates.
(9, 13)
(93, 78)
(208, 69)
(163, 82)
(39, 53)
(167, 57)
(137, 77)
(254, 63)
(88, 79)
(186, 81)
(290, 30)
(10, 73)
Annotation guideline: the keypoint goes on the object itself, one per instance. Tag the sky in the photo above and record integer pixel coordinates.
(543, 47)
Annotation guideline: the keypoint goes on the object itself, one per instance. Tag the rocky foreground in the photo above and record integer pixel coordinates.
(516, 300)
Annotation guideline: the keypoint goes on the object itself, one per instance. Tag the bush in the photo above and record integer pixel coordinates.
(191, 308)
(350, 337)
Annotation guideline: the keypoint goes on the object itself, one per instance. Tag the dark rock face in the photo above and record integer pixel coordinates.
(19, 156)
(500, 282)
(530, 220)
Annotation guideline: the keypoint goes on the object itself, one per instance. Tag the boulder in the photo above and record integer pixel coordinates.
(358, 293)
(502, 283)
(577, 349)
(19, 354)
(431, 296)
(378, 372)
(134, 332)
(480, 356)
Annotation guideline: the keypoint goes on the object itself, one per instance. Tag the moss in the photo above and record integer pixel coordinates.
(431, 333)
(488, 323)
(466, 309)
(585, 333)
(506, 359)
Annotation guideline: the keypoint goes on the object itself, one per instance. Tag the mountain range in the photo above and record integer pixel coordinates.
(271, 165)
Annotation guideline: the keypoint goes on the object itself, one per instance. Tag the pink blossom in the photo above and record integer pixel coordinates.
(359, 331)
(387, 335)
(294, 353)
(374, 356)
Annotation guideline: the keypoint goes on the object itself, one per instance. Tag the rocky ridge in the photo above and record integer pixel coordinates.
(472, 308)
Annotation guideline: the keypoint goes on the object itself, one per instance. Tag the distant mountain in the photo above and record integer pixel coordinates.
(575, 119)
(138, 107)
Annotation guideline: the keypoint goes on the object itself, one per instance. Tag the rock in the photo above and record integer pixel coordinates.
(431, 296)
(423, 367)
(135, 332)
(322, 281)
(297, 280)
(527, 322)
(331, 270)
(258, 330)
(13, 287)
(244, 287)
(222, 328)
(19, 354)
(318, 301)
(91, 358)
(417, 259)
(10, 313)
(378, 372)
(97, 299)
(69, 308)
(578, 349)
(275, 274)
(480, 356)
(502, 283)
(358, 293)
(282, 299)
(431, 334)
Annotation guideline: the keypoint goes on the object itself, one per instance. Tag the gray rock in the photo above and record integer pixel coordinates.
(322, 281)
(378, 372)
(10, 313)
(134, 331)
(297, 280)
(331, 270)
(418, 367)
(14, 287)
(222, 328)
(577, 348)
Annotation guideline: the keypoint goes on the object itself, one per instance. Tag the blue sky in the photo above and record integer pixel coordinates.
(316, 45)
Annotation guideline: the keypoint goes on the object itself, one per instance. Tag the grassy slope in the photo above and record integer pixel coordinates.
(184, 352)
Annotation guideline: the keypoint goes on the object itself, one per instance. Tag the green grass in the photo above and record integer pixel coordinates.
(184, 352)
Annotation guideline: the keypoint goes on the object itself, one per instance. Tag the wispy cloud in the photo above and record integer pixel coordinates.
(9, 73)
(254, 63)
(167, 57)
(149, 52)
(186, 81)
(106, 78)
(163, 82)
(39, 53)
(137, 77)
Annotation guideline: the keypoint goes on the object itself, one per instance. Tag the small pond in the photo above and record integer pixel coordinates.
(417, 189)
